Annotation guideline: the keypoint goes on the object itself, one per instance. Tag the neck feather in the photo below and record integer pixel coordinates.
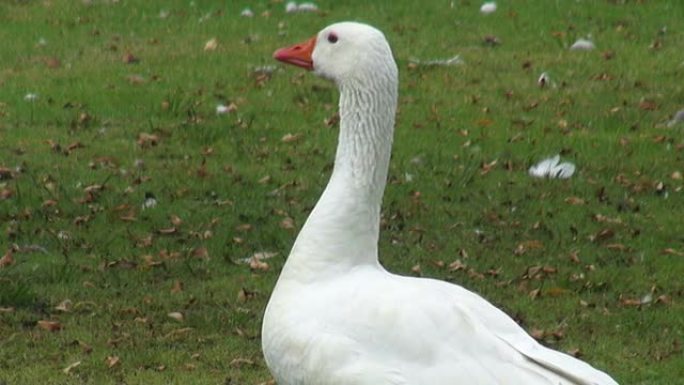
(343, 228)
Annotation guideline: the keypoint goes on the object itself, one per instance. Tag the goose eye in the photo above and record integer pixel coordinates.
(332, 38)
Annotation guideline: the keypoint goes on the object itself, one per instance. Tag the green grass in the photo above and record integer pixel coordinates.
(218, 174)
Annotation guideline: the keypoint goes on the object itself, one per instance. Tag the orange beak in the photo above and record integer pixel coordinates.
(298, 54)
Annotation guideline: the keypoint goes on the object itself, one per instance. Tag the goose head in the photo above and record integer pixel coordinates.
(343, 51)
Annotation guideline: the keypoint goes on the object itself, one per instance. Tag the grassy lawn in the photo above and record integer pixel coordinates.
(105, 102)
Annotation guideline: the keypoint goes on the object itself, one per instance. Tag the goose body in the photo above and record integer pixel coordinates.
(336, 316)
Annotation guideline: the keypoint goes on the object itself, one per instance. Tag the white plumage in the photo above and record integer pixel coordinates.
(552, 168)
(336, 316)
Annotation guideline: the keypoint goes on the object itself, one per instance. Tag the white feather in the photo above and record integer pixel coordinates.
(551, 168)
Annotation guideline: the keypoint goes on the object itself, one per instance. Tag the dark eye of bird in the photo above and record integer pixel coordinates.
(332, 38)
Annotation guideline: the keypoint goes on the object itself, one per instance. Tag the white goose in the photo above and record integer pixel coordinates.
(336, 316)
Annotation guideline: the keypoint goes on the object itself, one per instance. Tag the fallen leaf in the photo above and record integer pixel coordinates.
(51, 326)
(211, 44)
(245, 295)
(146, 140)
(255, 263)
(178, 316)
(177, 287)
(6, 193)
(672, 251)
(456, 265)
(71, 367)
(52, 62)
(112, 361)
(525, 246)
(290, 138)
(178, 333)
(167, 231)
(534, 293)
(7, 259)
(176, 221)
(201, 253)
(129, 58)
(287, 223)
(575, 352)
(648, 105)
(84, 346)
(6, 173)
(537, 334)
(240, 362)
(576, 201)
(64, 306)
(602, 235)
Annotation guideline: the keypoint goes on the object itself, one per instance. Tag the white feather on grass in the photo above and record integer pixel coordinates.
(551, 168)
(487, 8)
(583, 45)
(678, 117)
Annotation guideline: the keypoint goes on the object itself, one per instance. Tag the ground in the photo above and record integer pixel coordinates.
(105, 103)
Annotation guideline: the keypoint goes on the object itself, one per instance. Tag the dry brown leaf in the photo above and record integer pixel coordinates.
(556, 291)
(178, 316)
(147, 140)
(575, 352)
(129, 58)
(664, 299)
(457, 265)
(537, 334)
(290, 138)
(167, 231)
(244, 227)
(534, 293)
(245, 295)
(574, 201)
(256, 263)
(49, 203)
(72, 366)
(487, 167)
(6, 309)
(240, 362)
(287, 223)
(201, 253)
(149, 262)
(416, 269)
(617, 247)
(51, 326)
(602, 235)
(526, 246)
(177, 287)
(76, 145)
(7, 259)
(52, 62)
(84, 346)
(112, 361)
(630, 301)
(211, 44)
(6, 193)
(672, 251)
(6, 173)
(176, 221)
(64, 306)
(574, 256)
(648, 105)
(178, 333)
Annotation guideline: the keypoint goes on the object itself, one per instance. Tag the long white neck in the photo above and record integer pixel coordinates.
(342, 230)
